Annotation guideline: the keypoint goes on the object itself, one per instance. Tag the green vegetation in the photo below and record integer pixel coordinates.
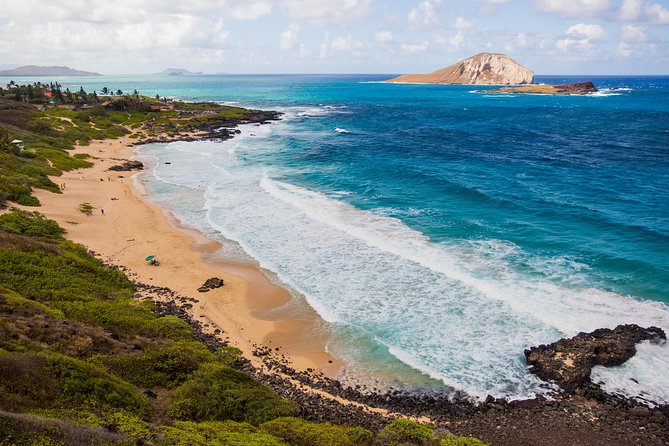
(406, 432)
(86, 208)
(298, 432)
(217, 392)
(30, 224)
(49, 122)
(460, 441)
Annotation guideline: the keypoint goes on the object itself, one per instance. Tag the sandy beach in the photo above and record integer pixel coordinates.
(125, 228)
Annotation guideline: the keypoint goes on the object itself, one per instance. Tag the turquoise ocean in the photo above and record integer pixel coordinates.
(438, 230)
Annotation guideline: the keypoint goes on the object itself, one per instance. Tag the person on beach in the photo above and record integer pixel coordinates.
(103, 211)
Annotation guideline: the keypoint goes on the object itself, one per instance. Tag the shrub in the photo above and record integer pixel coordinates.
(29, 430)
(403, 431)
(167, 367)
(461, 441)
(62, 272)
(125, 317)
(31, 224)
(27, 200)
(299, 432)
(81, 383)
(228, 433)
(9, 300)
(86, 208)
(24, 383)
(216, 393)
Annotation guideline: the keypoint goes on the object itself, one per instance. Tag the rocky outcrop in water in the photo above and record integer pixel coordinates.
(569, 361)
(576, 88)
(481, 69)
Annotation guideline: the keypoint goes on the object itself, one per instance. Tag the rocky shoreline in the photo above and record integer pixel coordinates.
(588, 416)
(216, 128)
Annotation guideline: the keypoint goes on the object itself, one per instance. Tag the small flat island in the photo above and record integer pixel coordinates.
(576, 88)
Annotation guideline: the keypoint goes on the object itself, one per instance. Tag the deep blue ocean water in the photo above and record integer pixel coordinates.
(441, 231)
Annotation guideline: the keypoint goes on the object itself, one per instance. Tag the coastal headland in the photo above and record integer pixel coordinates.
(122, 227)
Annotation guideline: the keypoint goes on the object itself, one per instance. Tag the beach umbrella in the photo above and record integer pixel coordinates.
(149, 258)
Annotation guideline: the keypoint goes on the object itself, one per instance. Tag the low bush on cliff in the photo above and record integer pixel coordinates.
(53, 380)
(31, 224)
(461, 441)
(403, 431)
(298, 432)
(168, 366)
(217, 392)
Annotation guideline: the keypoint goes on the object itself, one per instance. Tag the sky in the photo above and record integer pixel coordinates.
(330, 36)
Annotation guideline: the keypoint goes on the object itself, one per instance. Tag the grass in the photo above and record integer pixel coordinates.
(86, 208)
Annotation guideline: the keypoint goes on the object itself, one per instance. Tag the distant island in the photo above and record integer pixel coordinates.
(35, 70)
(481, 69)
(179, 72)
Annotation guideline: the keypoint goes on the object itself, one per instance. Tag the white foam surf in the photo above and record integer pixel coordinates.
(461, 312)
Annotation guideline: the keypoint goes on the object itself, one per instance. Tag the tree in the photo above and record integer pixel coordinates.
(119, 92)
(105, 90)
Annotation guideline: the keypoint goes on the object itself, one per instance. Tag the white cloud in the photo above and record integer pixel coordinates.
(591, 32)
(489, 6)
(424, 16)
(250, 10)
(462, 23)
(657, 14)
(326, 12)
(641, 10)
(574, 8)
(624, 50)
(304, 51)
(340, 45)
(383, 37)
(633, 33)
(452, 43)
(288, 39)
(630, 10)
(580, 38)
(412, 48)
(522, 40)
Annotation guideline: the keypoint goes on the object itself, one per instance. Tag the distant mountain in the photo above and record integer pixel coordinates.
(481, 69)
(179, 72)
(34, 70)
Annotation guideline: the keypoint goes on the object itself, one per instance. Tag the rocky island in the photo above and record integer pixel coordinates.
(481, 69)
(576, 88)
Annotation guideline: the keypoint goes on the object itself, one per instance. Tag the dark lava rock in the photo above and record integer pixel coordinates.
(128, 166)
(569, 361)
(576, 88)
(211, 284)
